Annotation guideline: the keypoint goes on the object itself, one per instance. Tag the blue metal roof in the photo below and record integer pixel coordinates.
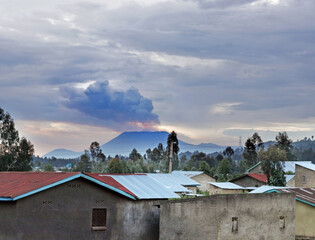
(226, 185)
(170, 181)
(145, 187)
(185, 177)
(308, 165)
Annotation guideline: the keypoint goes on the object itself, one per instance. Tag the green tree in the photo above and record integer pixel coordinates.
(283, 142)
(96, 152)
(223, 170)
(228, 151)
(48, 167)
(15, 154)
(271, 163)
(252, 146)
(84, 165)
(115, 165)
(134, 155)
(172, 144)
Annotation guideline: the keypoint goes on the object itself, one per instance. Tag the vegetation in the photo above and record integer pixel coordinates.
(15, 153)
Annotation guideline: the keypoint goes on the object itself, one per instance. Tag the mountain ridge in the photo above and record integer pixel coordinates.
(142, 140)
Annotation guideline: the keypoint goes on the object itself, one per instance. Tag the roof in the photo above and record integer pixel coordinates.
(226, 185)
(305, 195)
(189, 174)
(256, 176)
(288, 177)
(145, 187)
(259, 177)
(16, 185)
(265, 188)
(308, 165)
(287, 165)
(173, 182)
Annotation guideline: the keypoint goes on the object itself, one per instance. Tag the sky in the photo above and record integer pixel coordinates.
(73, 72)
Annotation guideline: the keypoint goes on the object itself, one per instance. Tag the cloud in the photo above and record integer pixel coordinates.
(101, 101)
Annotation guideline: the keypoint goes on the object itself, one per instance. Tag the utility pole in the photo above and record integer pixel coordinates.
(170, 166)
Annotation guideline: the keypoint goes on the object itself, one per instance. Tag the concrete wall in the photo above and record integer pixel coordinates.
(211, 218)
(305, 220)
(215, 190)
(247, 181)
(65, 212)
(304, 177)
(204, 180)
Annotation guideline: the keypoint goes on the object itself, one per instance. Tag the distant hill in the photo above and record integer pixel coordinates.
(62, 153)
(125, 142)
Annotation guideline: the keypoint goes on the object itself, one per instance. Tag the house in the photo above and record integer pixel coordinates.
(288, 167)
(201, 177)
(224, 188)
(251, 180)
(230, 216)
(304, 209)
(42, 205)
(305, 174)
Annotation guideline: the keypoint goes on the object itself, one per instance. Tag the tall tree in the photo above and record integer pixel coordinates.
(283, 142)
(252, 146)
(134, 155)
(84, 165)
(15, 155)
(228, 151)
(271, 163)
(172, 150)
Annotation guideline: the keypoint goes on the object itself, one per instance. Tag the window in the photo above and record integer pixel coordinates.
(99, 219)
(234, 224)
(282, 222)
(303, 179)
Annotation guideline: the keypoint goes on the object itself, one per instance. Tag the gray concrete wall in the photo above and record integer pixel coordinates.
(204, 180)
(210, 218)
(65, 212)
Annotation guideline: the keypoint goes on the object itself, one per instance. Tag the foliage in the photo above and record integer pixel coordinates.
(96, 152)
(134, 155)
(48, 167)
(228, 151)
(271, 165)
(15, 154)
(224, 169)
(84, 165)
(115, 165)
(252, 145)
(283, 142)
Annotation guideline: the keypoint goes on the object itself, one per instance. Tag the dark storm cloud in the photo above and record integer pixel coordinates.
(101, 101)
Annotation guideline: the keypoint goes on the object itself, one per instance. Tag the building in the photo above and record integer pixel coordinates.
(304, 209)
(231, 216)
(305, 175)
(251, 180)
(36, 205)
(224, 188)
(201, 177)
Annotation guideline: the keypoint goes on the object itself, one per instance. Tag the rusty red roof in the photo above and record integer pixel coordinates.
(306, 195)
(259, 177)
(13, 184)
(105, 178)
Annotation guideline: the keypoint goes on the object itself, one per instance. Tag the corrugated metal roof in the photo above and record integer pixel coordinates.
(110, 181)
(259, 177)
(265, 188)
(13, 184)
(308, 165)
(287, 165)
(288, 177)
(170, 181)
(19, 184)
(145, 187)
(189, 174)
(305, 195)
(226, 185)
